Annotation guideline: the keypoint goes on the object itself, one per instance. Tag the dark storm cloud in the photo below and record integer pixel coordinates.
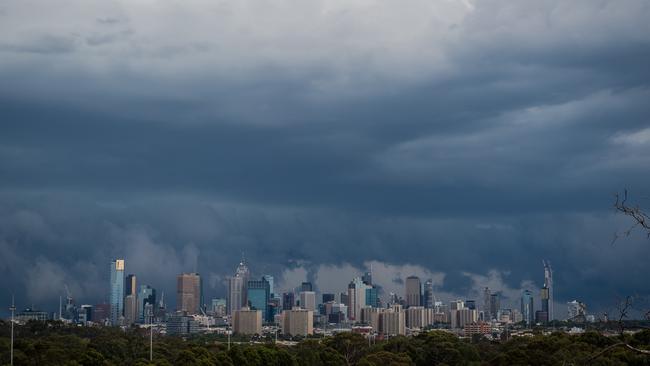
(483, 139)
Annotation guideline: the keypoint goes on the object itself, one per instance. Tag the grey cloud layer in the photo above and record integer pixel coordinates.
(462, 137)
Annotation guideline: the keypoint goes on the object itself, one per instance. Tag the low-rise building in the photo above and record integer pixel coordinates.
(182, 324)
(298, 322)
(247, 321)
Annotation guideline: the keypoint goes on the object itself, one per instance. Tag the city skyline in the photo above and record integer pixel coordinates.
(191, 301)
(459, 140)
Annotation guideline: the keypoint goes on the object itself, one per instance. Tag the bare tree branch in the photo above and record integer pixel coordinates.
(641, 219)
(616, 345)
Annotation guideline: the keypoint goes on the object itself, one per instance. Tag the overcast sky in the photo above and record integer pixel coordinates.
(459, 140)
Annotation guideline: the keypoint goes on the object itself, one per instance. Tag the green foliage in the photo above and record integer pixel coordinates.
(384, 358)
(54, 343)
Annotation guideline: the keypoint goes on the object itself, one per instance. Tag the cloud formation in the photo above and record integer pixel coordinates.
(457, 139)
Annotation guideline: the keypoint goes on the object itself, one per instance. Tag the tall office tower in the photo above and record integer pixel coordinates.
(306, 286)
(428, 294)
(259, 294)
(237, 294)
(527, 310)
(344, 299)
(147, 295)
(470, 304)
(130, 309)
(367, 278)
(495, 305)
(356, 298)
(117, 291)
(328, 297)
(269, 279)
(308, 300)
(130, 285)
(543, 294)
(548, 284)
(274, 308)
(188, 293)
(372, 296)
(288, 301)
(487, 296)
(413, 291)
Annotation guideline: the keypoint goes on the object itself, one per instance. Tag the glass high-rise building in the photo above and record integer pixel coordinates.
(428, 294)
(288, 300)
(495, 305)
(258, 296)
(117, 291)
(548, 284)
(527, 310)
(372, 297)
(146, 296)
(269, 279)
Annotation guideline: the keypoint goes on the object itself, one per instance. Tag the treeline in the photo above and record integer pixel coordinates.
(57, 344)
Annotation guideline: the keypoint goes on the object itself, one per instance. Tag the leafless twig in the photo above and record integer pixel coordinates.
(641, 219)
(624, 309)
(615, 345)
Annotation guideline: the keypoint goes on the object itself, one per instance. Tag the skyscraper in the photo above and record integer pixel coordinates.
(372, 296)
(147, 295)
(413, 291)
(288, 300)
(356, 298)
(130, 285)
(269, 279)
(527, 310)
(308, 300)
(237, 284)
(428, 294)
(367, 278)
(470, 304)
(235, 293)
(258, 296)
(117, 291)
(543, 294)
(188, 293)
(495, 305)
(487, 313)
(130, 309)
(306, 286)
(548, 284)
(328, 298)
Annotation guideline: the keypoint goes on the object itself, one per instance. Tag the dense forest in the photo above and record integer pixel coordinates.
(57, 344)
